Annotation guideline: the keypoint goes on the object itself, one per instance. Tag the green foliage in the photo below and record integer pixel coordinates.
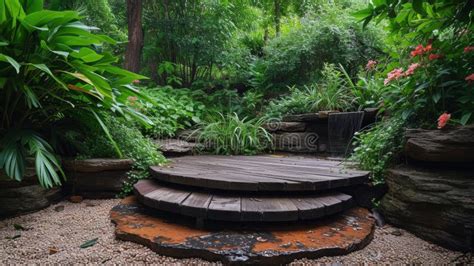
(228, 134)
(91, 143)
(51, 70)
(173, 110)
(377, 147)
(332, 93)
(330, 35)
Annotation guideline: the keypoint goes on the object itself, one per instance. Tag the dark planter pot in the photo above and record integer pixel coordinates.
(18, 198)
(96, 178)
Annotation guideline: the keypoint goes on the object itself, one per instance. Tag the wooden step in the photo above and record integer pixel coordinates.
(218, 205)
(258, 173)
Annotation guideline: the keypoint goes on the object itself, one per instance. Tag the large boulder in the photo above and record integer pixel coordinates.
(26, 196)
(96, 178)
(450, 145)
(435, 204)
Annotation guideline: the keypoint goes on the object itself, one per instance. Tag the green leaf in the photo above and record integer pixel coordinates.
(465, 118)
(436, 97)
(13, 62)
(107, 133)
(19, 227)
(87, 55)
(418, 7)
(89, 243)
(46, 70)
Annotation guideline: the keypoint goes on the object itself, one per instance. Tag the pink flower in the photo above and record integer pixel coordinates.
(411, 69)
(434, 56)
(393, 75)
(443, 120)
(470, 78)
(132, 100)
(371, 65)
(428, 48)
(468, 49)
(136, 81)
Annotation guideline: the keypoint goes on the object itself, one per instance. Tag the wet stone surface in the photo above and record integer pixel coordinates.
(252, 243)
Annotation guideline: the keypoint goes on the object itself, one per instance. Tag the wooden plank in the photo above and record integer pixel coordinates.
(268, 209)
(309, 208)
(333, 204)
(166, 199)
(196, 205)
(250, 209)
(225, 208)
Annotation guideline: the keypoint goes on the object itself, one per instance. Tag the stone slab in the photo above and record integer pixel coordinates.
(250, 244)
(97, 165)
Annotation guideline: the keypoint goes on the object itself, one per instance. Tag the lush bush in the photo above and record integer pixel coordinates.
(331, 35)
(172, 110)
(51, 70)
(377, 147)
(91, 143)
(229, 134)
(331, 93)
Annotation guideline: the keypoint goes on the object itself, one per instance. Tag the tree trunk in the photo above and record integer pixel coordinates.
(277, 16)
(135, 36)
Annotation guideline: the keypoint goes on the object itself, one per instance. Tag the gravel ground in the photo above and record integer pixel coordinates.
(54, 236)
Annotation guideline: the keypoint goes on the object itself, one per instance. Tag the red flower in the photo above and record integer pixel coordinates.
(428, 48)
(411, 69)
(434, 56)
(470, 78)
(418, 50)
(468, 49)
(371, 64)
(443, 120)
(393, 75)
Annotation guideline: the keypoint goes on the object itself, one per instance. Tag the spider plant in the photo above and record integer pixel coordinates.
(228, 134)
(50, 70)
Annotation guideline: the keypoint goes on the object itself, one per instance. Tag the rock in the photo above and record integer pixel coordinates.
(25, 196)
(296, 142)
(174, 146)
(76, 199)
(436, 204)
(97, 165)
(302, 117)
(365, 194)
(96, 178)
(285, 126)
(378, 217)
(262, 244)
(59, 208)
(396, 232)
(450, 145)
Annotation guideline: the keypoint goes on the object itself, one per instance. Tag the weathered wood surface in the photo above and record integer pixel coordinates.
(231, 207)
(258, 173)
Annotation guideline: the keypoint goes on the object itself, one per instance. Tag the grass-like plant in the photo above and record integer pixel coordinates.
(51, 69)
(229, 134)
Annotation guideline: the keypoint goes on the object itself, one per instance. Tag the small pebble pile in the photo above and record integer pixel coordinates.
(54, 235)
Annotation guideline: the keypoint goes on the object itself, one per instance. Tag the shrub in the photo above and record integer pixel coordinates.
(51, 70)
(377, 147)
(332, 93)
(228, 134)
(330, 35)
(91, 143)
(172, 110)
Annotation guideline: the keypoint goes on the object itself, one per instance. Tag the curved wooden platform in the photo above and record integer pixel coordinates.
(258, 173)
(239, 207)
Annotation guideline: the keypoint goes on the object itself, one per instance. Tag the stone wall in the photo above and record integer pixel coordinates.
(433, 194)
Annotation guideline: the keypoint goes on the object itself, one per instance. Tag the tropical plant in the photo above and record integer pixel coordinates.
(230, 134)
(331, 93)
(50, 70)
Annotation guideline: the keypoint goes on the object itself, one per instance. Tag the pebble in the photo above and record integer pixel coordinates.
(66, 230)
